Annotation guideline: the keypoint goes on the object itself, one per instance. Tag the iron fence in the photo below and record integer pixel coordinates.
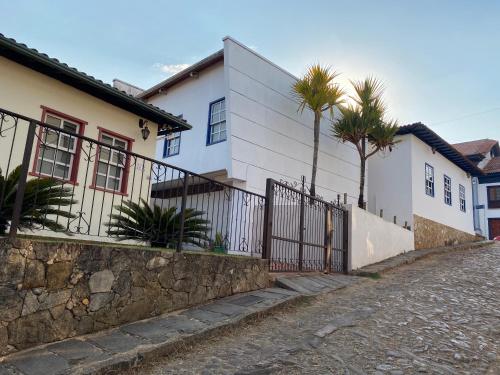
(54, 180)
(304, 232)
(57, 180)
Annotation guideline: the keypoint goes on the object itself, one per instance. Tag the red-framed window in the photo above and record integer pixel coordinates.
(111, 167)
(57, 154)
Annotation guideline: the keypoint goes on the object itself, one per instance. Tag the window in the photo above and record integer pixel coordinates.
(461, 194)
(494, 196)
(57, 153)
(172, 144)
(112, 165)
(447, 190)
(429, 180)
(217, 122)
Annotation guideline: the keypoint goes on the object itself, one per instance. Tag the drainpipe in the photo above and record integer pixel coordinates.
(475, 203)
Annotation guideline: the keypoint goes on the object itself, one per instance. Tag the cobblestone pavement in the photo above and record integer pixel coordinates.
(440, 315)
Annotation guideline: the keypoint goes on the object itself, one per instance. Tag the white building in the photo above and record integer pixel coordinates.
(486, 189)
(425, 183)
(246, 126)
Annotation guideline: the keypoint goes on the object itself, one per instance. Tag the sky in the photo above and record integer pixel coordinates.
(439, 60)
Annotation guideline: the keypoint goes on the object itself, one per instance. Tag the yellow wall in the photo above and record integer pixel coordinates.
(23, 90)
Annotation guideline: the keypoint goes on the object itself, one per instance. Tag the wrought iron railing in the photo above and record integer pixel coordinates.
(56, 180)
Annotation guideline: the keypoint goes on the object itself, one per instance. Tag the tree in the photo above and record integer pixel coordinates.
(317, 91)
(364, 125)
(43, 199)
(158, 226)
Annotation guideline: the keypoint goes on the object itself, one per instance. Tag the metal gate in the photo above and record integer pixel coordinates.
(303, 233)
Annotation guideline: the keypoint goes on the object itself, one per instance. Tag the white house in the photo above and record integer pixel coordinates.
(486, 189)
(425, 183)
(246, 125)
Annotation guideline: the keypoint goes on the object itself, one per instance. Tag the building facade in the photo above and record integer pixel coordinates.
(485, 153)
(247, 127)
(426, 185)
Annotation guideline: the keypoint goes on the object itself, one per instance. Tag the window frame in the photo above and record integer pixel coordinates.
(209, 127)
(447, 190)
(492, 204)
(433, 191)
(165, 147)
(126, 169)
(462, 198)
(73, 176)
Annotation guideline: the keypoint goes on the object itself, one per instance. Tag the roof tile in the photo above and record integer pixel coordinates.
(480, 146)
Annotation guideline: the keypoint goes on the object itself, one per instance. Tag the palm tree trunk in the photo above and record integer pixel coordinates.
(317, 118)
(361, 198)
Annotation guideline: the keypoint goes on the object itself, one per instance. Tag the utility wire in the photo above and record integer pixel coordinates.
(468, 115)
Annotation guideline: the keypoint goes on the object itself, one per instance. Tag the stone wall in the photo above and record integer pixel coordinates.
(429, 233)
(54, 290)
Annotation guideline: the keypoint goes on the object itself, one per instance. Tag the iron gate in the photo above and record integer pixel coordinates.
(303, 233)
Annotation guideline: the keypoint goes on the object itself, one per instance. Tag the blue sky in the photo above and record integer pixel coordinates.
(439, 60)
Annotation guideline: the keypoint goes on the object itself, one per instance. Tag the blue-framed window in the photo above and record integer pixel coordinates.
(461, 194)
(172, 145)
(447, 190)
(429, 180)
(216, 122)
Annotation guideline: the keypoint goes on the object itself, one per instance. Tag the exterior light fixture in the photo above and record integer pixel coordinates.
(143, 124)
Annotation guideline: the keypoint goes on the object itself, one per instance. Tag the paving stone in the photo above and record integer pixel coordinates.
(224, 308)
(204, 315)
(266, 294)
(152, 330)
(75, 351)
(248, 300)
(115, 341)
(181, 323)
(40, 362)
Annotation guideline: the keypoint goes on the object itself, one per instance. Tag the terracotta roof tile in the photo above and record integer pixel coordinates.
(493, 165)
(480, 146)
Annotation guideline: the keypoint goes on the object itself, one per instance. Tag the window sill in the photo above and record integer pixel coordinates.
(214, 143)
(169, 156)
(69, 182)
(114, 192)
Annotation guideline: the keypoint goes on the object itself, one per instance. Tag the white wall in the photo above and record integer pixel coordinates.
(191, 98)
(269, 138)
(434, 208)
(486, 213)
(373, 239)
(390, 183)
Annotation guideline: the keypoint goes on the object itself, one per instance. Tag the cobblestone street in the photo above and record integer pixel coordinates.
(439, 315)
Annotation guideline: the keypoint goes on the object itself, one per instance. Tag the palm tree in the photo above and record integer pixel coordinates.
(160, 227)
(317, 91)
(43, 199)
(364, 122)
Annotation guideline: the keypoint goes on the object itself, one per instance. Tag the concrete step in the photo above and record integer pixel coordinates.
(314, 284)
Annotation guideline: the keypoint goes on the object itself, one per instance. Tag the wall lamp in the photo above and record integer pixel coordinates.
(143, 124)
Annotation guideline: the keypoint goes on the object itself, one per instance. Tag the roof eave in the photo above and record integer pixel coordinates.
(184, 74)
(62, 72)
(429, 137)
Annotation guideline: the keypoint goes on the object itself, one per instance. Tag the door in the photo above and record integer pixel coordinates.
(494, 228)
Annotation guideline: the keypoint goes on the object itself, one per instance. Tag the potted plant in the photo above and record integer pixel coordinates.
(218, 245)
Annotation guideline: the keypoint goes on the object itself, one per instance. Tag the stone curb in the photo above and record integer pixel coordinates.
(111, 362)
(126, 361)
(376, 269)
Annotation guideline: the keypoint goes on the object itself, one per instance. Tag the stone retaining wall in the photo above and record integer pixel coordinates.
(50, 291)
(429, 234)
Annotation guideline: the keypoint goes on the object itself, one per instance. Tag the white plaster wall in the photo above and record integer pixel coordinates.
(191, 98)
(390, 183)
(269, 138)
(486, 213)
(434, 208)
(373, 239)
